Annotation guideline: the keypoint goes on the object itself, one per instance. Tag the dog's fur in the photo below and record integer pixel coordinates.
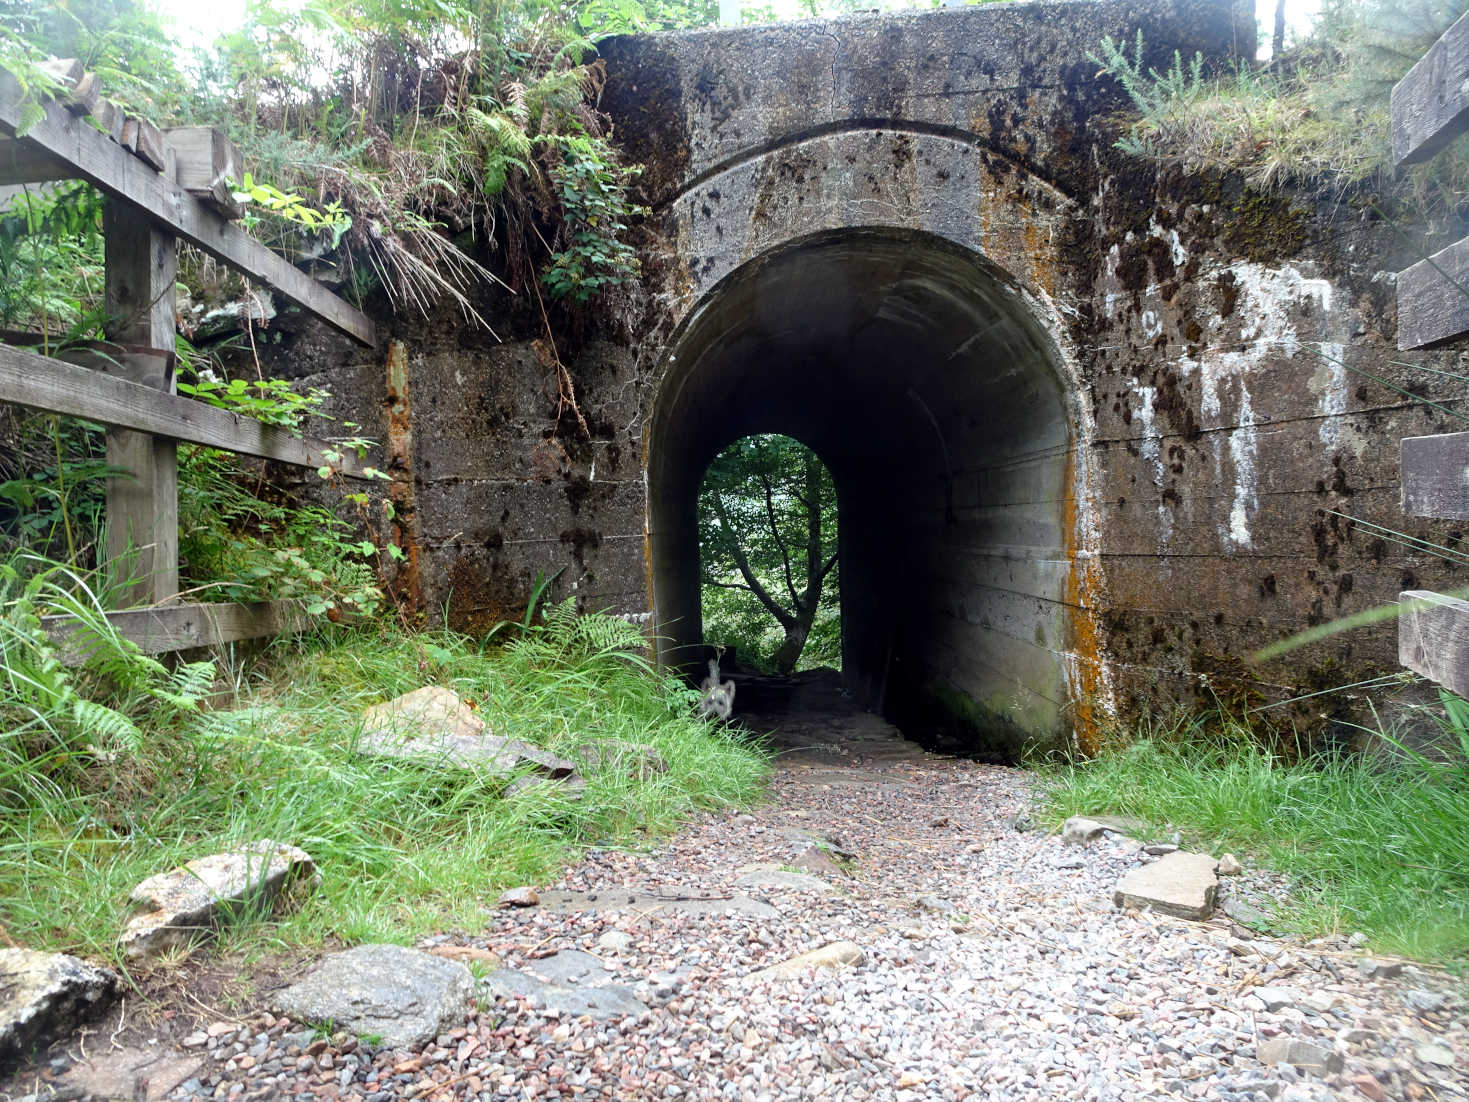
(718, 699)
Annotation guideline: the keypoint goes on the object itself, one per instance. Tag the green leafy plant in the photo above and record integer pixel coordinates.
(69, 701)
(592, 189)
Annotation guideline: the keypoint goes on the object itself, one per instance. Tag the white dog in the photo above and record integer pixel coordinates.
(718, 699)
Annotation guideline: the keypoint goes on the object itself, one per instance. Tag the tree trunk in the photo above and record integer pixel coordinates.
(789, 653)
(1277, 44)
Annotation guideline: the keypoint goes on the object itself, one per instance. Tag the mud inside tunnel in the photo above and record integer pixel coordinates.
(921, 376)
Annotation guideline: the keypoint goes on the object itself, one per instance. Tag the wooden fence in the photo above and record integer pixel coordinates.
(1430, 108)
(161, 187)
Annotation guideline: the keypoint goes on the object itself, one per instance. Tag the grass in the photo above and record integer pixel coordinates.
(1372, 845)
(403, 849)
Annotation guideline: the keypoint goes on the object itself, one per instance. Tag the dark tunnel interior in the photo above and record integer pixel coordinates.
(917, 372)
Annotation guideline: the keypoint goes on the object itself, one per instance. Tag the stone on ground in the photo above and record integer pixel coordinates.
(838, 954)
(1229, 866)
(518, 897)
(570, 968)
(815, 859)
(1182, 884)
(177, 906)
(1305, 1055)
(649, 903)
(601, 1002)
(433, 724)
(401, 995)
(46, 995)
(1079, 830)
(780, 880)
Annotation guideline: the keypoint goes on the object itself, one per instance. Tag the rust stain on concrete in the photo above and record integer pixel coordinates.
(399, 455)
(1083, 584)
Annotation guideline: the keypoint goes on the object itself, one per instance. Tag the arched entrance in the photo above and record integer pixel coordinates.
(921, 376)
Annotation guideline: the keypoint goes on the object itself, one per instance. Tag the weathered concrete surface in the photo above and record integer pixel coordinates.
(176, 907)
(44, 996)
(399, 994)
(1179, 883)
(1097, 429)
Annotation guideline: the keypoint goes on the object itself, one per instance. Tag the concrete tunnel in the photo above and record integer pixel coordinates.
(920, 375)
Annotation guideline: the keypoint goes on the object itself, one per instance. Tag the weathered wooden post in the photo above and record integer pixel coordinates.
(142, 511)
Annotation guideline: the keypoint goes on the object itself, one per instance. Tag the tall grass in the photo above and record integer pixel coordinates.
(404, 848)
(1376, 844)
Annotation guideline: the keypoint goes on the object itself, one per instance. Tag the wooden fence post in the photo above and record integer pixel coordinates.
(142, 511)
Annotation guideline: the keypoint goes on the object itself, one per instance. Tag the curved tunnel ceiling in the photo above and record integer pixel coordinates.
(918, 374)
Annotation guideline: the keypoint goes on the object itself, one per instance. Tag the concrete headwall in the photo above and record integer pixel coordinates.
(1095, 429)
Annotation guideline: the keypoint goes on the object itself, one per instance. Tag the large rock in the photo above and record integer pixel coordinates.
(434, 724)
(177, 906)
(401, 995)
(46, 995)
(1181, 884)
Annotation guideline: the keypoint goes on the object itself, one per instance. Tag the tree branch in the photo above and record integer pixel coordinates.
(775, 531)
(728, 585)
(743, 565)
(825, 570)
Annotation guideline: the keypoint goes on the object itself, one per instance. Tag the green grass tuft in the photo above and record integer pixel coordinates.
(404, 850)
(1369, 845)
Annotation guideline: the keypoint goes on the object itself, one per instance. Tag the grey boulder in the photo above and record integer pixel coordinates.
(401, 995)
(174, 908)
(46, 995)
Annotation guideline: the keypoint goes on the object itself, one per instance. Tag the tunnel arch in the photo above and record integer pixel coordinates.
(931, 385)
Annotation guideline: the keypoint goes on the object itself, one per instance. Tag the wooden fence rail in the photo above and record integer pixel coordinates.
(159, 189)
(1430, 108)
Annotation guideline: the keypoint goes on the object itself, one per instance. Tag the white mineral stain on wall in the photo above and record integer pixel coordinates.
(1242, 448)
(1329, 384)
(1151, 446)
(1270, 303)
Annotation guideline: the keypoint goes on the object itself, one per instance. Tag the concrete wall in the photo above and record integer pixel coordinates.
(1091, 425)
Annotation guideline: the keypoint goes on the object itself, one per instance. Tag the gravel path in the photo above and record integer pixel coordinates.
(994, 966)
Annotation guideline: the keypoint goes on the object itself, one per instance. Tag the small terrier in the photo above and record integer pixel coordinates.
(718, 699)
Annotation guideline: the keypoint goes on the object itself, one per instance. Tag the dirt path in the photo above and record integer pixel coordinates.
(993, 966)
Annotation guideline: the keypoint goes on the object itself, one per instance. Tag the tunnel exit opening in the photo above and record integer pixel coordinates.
(923, 378)
(768, 556)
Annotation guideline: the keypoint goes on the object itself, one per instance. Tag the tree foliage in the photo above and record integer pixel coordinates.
(768, 538)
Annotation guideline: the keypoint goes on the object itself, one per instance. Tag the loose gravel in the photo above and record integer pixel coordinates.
(993, 966)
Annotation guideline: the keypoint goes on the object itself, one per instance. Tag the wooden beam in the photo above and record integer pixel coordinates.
(143, 509)
(1433, 638)
(1433, 298)
(1430, 105)
(1435, 473)
(179, 627)
(206, 163)
(170, 207)
(21, 163)
(41, 382)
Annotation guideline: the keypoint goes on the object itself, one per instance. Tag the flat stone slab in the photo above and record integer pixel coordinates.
(839, 954)
(177, 906)
(774, 879)
(1181, 884)
(401, 995)
(620, 899)
(570, 968)
(602, 1001)
(44, 996)
(433, 724)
